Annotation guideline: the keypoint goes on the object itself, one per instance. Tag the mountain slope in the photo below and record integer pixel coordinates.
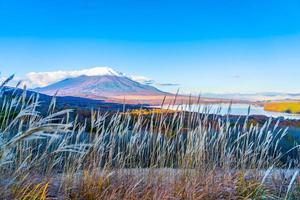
(99, 87)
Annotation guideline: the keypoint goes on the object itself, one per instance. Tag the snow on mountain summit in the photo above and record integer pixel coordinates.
(99, 71)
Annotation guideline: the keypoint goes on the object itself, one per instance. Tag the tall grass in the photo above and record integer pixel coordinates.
(36, 146)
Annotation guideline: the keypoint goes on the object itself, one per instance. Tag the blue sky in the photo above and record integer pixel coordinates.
(204, 46)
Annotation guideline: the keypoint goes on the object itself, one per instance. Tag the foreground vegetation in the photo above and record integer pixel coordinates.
(286, 106)
(140, 155)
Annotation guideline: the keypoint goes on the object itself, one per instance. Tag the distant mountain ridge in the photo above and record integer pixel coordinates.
(263, 96)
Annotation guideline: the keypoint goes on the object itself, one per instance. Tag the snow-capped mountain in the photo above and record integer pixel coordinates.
(42, 79)
(100, 83)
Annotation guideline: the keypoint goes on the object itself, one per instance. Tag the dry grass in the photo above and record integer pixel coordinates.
(32, 191)
(52, 155)
(157, 184)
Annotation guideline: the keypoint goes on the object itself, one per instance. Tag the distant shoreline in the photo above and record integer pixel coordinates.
(292, 107)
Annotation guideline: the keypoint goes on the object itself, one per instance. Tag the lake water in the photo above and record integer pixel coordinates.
(235, 109)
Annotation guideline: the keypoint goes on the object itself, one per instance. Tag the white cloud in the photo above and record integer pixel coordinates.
(142, 79)
(168, 84)
(41, 79)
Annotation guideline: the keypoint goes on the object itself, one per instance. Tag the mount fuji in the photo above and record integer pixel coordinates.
(100, 83)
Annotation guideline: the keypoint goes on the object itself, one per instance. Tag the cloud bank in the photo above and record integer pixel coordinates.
(168, 84)
(142, 79)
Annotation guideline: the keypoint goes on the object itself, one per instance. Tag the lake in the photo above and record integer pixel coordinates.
(235, 109)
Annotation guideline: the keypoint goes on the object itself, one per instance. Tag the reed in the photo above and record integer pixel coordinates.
(204, 153)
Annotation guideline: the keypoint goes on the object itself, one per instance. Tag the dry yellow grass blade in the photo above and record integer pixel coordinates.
(32, 191)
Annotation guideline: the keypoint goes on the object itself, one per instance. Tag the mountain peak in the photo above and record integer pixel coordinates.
(101, 71)
(102, 83)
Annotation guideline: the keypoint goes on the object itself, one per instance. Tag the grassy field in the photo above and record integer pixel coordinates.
(140, 155)
(287, 106)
